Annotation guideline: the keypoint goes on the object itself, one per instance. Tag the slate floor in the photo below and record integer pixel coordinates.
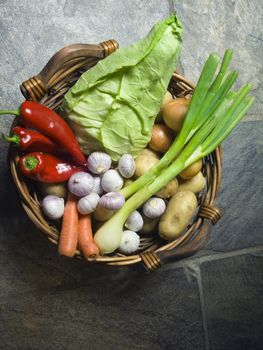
(210, 301)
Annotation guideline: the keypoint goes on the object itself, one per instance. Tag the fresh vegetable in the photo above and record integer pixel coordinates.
(174, 113)
(85, 238)
(195, 184)
(211, 116)
(126, 166)
(162, 138)
(145, 160)
(46, 167)
(180, 210)
(97, 185)
(169, 190)
(111, 181)
(88, 204)
(149, 225)
(53, 207)
(99, 162)
(112, 201)
(192, 170)
(209, 96)
(134, 221)
(81, 184)
(102, 214)
(154, 207)
(113, 105)
(68, 238)
(130, 242)
(167, 98)
(36, 116)
(31, 141)
(56, 189)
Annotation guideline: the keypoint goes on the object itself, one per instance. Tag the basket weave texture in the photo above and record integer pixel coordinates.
(49, 88)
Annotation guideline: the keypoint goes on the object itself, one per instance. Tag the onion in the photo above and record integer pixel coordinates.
(88, 204)
(81, 184)
(112, 201)
(99, 162)
(111, 181)
(154, 207)
(53, 207)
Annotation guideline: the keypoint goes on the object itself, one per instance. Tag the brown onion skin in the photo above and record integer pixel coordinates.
(162, 138)
(174, 113)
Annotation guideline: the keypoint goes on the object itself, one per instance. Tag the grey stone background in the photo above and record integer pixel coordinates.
(211, 301)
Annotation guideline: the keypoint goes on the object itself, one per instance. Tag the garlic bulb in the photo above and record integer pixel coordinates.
(97, 185)
(88, 204)
(80, 184)
(126, 165)
(134, 221)
(130, 242)
(112, 200)
(53, 207)
(111, 181)
(99, 162)
(154, 207)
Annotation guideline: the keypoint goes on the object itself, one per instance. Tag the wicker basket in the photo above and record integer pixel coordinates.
(48, 88)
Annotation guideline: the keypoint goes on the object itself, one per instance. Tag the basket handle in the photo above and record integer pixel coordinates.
(63, 64)
(153, 260)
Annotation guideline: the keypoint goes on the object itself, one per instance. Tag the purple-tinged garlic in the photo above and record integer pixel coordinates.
(154, 207)
(99, 162)
(112, 200)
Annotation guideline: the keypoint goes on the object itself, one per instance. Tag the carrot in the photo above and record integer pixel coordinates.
(85, 238)
(68, 239)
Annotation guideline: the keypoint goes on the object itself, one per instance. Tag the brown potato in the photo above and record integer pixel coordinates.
(192, 170)
(174, 113)
(162, 138)
(149, 225)
(178, 214)
(195, 184)
(145, 160)
(169, 190)
(102, 214)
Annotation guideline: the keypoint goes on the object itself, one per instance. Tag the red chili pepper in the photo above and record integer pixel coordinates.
(46, 167)
(32, 141)
(37, 116)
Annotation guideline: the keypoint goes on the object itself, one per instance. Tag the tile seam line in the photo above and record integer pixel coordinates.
(215, 256)
(202, 305)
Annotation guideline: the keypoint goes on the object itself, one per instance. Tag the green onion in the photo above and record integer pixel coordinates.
(225, 110)
(207, 97)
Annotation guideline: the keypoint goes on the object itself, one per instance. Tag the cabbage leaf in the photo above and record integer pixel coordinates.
(112, 107)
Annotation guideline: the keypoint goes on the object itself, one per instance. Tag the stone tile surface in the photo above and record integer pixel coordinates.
(121, 310)
(47, 302)
(233, 303)
(241, 190)
(212, 25)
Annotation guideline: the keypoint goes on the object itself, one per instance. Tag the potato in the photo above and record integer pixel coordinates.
(169, 190)
(145, 161)
(148, 225)
(195, 184)
(56, 189)
(174, 113)
(179, 212)
(167, 98)
(192, 170)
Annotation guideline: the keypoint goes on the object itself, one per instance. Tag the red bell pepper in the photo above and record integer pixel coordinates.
(32, 141)
(36, 116)
(46, 167)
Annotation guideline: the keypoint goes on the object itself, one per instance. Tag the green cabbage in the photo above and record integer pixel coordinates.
(112, 107)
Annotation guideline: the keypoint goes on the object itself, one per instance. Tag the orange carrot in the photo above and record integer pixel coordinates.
(68, 239)
(85, 238)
